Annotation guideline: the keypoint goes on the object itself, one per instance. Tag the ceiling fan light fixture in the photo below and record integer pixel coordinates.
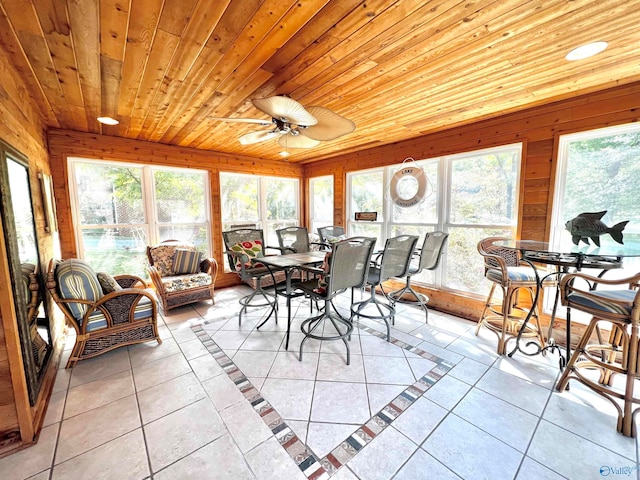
(108, 120)
(586, 51)
(284, 153)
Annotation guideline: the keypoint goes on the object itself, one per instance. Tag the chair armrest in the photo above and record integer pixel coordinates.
(501, 264)
(156, 279)
(568, 280)
(117, 306)
(129, 281)
(210, 266)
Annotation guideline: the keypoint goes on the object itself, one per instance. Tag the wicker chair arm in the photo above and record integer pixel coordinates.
(156, 279)
(110, 305)
(567, 286)
(493, 262)
(129, 281)
(210, 266)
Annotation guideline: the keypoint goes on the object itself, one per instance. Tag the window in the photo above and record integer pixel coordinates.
(269, 203)
(320, 202)
(470, 196)
(121, 208)
(599, 170)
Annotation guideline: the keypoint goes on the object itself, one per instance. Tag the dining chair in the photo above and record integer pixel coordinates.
(331, 234)
(598, 365)
(346, 267)
(394, 261)
(505, 268)
(296, 240)
(429, 259)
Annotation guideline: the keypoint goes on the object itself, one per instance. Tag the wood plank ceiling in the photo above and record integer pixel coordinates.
(397, 68)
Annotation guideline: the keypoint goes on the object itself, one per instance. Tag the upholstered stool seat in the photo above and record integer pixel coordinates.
(596, 365)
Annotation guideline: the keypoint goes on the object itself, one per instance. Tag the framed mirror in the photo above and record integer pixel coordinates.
(18, 222)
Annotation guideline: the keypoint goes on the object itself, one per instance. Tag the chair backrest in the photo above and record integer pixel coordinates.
(294, 239)
(396, 256)
(73, 279)
(232, 238)
(333, 231)
(162, 255)
(432, 248)
(350, 261)
(487, 247)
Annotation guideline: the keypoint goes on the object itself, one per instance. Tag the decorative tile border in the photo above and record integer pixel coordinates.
(315, 468)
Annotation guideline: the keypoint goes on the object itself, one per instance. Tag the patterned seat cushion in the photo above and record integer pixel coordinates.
(144, 309)
(177, 283)
(516, 274)
(164, 254)
(603, 301)
(77, 280)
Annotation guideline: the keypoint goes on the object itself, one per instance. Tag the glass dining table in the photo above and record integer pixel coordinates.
(564, 259)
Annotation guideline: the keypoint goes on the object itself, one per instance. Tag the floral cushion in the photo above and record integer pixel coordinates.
(177, 283)
(163, 255)
(248, 250)
(108, 283)
(186, 261)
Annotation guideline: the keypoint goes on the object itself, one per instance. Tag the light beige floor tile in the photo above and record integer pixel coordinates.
(41, 476)
(30, 461)
(205, 367)
(373, 462)
(193, 349)
(94, 394)
(63, 378)
(269, 461)
(149, 352)
(469, 371)
(159, 371)
(340, 402)
(256, 340)
(219, 460)
(566, 410)
(245, 426)
(449, 323)
(313, 345)
(515, 390)
(388, 370)
(222, 392)
(123, 458)
(530, 369)
(300, 428)
(181, 433)
(230, 340)
(324, 437)
(287, 365)
(473, 349)
(445, 354)
(421, 366)
(254, 363)
(257, 382)
(167, 397)
(182, 333)
(290, 398)
(504, 421)
(447, 392)
(532, 470)
(333, 367)
(377, 346)
(55, 409)
(381, 395)
(434, 335)
(101, 366)
(419, 420)
(344, 474)
(570, 455)
(471, 453)
(423, 465)
(88, 430)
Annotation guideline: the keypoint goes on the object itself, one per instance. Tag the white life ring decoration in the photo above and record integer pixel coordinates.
(420, 177)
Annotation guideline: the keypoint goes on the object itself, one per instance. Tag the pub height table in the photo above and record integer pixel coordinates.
(565, 259)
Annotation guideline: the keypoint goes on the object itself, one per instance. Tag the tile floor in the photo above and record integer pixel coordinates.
(221, 401)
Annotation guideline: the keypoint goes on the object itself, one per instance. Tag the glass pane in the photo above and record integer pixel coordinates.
(322, 201)
(116, 250)
(464, 265)
(484, 188)
(270, 233)
(426, 210)
(180, 196)
(367, 230)
(282, 199)
(196, 234)
(109, 194)
(367, 193)
(22, 212)
(239, 200)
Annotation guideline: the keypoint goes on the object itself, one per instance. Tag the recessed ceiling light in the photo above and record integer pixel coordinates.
(108, 120)
(284, 154)
(586, 51)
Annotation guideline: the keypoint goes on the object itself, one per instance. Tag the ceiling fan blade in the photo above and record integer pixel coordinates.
(255, 137)
(330, 125)
(243, 120)
(297, 141)
(285, 109)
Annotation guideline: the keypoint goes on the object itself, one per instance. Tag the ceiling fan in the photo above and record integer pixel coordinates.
(295, 126)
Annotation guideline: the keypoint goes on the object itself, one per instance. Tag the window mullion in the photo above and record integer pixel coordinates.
(149, 196)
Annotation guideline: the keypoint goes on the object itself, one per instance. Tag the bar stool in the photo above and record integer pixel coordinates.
(504, 268)
(618, 355)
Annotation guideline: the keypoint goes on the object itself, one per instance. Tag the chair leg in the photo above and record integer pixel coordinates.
(408, 291)
(486, 307)
(358, 307)
(570, 367)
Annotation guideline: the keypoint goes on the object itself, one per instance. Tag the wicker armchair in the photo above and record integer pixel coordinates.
(104, 314)
(180, 275)
(33, 299)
